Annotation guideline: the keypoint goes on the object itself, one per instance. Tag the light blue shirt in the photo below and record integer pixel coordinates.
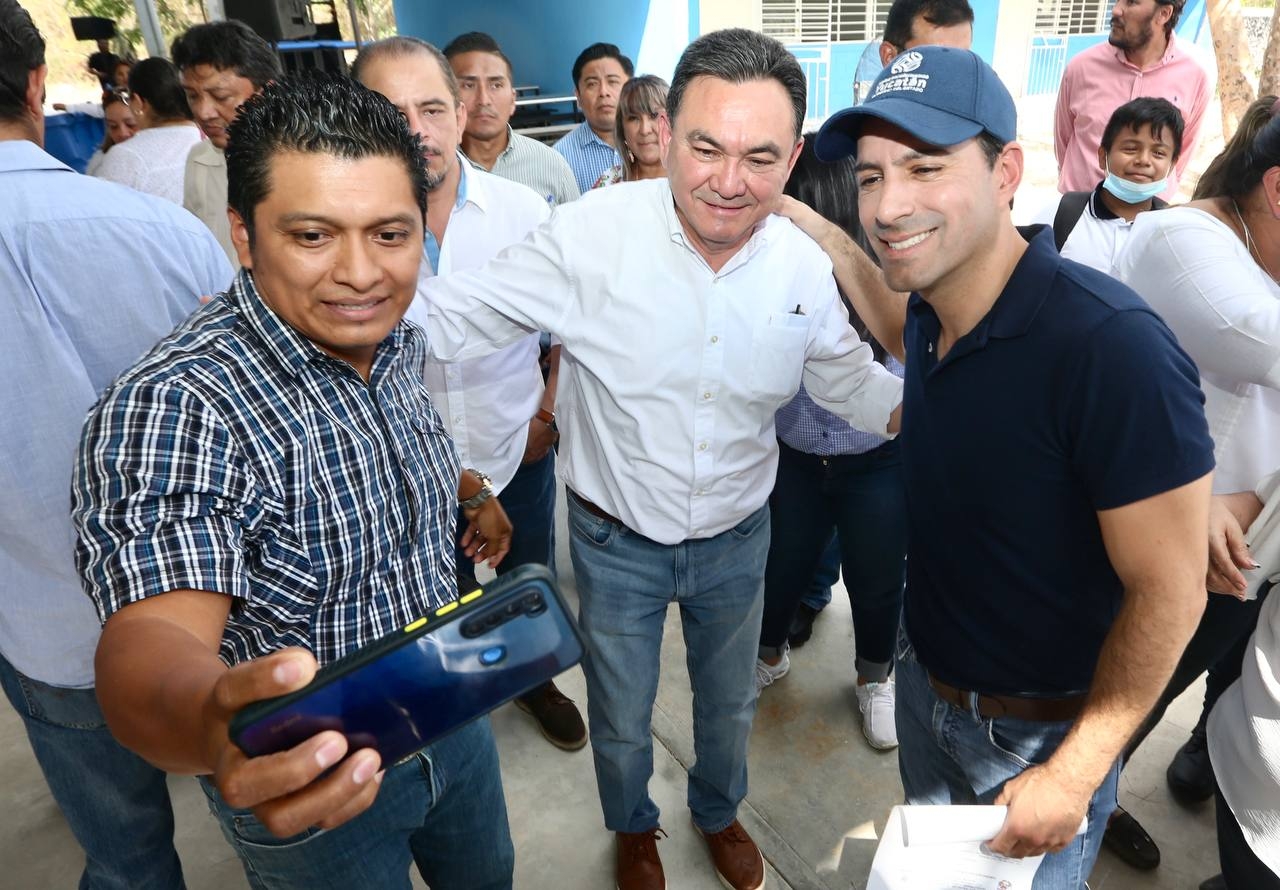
(92, 274)
(430, 246)
(588, 155)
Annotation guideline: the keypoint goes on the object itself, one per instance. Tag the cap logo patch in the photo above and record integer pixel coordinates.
(906, 63)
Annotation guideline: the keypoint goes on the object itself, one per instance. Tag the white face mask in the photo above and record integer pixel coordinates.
(1133, 192)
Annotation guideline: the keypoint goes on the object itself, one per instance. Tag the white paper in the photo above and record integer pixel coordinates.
(941, 848)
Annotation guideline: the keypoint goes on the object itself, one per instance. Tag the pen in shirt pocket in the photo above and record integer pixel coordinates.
(798, 310)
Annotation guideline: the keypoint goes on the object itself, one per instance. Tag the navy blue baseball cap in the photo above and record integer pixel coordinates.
(939, 94)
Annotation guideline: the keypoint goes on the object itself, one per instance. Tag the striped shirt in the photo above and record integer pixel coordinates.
(540, 167)
(806, 426)
(239, 458)
(587, 154)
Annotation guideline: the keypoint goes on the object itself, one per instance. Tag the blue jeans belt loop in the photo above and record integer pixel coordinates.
(991, 707)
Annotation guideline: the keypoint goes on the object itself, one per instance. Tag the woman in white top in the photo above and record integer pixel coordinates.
(155, 159)
(121, 126)
(1209, 269)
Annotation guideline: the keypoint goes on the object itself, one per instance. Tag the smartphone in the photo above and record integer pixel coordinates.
(404, 691)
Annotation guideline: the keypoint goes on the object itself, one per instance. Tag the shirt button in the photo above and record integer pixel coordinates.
(457, 420)
(715, 339)
(706, 395)
(702, 446)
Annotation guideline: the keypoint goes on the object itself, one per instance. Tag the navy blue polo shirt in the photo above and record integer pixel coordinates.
(1071, 396)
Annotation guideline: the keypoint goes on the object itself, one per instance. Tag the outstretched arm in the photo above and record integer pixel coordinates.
(1158, 549)
(883, 310)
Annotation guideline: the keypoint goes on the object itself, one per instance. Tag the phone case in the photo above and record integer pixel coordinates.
(404, 691)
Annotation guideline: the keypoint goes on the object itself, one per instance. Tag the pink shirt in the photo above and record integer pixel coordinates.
(1100, 80)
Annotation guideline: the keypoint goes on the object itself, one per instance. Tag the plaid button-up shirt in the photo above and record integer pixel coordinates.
(239, 458)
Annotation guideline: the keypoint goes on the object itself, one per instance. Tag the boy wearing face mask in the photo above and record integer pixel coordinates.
(1141, 143)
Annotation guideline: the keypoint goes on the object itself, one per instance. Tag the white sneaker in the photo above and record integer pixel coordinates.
(767, 673)
(875, 701)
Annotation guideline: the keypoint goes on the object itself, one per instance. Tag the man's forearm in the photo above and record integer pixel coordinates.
(153, 678)
(883, 310)
(1137, 659)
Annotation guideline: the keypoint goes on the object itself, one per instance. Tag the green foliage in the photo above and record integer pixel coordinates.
(175, 16)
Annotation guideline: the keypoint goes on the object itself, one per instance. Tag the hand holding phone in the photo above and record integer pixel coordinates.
(292, 790)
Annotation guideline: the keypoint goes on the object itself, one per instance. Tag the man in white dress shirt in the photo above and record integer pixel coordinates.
(496, 407)
(689, 314)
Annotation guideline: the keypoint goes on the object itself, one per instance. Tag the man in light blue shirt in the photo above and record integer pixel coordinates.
(598, 75)
(93, 274)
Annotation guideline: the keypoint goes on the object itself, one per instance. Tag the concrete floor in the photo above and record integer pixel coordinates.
(819, 794)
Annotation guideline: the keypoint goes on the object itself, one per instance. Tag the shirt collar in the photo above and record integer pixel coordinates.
(1098, 207)
(586, 136)
(22, 154)
(294, 351)
(1171, 52)
(1018, 304)
(759, 238)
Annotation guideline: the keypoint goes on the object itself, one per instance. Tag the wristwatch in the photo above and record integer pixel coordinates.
(485, 492)
(547, 417)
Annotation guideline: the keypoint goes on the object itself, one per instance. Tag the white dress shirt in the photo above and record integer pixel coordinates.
(486, 402)
(671, 373)
(1225, 311)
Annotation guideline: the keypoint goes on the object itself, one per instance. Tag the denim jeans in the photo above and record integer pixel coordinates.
(950, 756)
(818, 595)
(442, 808)
(116, 803)
(530, 503)
(862, 498)
(625, 583)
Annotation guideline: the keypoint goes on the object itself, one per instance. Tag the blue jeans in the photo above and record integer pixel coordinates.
(116, 803)
(625, 583)
(950, 756)
(818, 596)
(530, 503)
(442, 808)
(861, 498)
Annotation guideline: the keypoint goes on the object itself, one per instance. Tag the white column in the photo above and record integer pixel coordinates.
(214, 11)
(149, 24)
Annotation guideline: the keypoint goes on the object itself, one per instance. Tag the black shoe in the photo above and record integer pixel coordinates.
(1190, 774)
(1130, 841)
(801, 626)
(557, 716)
(1217, 882)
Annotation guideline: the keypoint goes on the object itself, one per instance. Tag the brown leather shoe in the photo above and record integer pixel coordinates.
(739, 864)
(639, 867)
(557, 716)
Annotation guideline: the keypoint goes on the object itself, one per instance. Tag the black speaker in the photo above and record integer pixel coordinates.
(274, 20)
(92, 28)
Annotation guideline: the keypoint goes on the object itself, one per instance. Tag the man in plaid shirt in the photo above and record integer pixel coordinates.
(270, 489)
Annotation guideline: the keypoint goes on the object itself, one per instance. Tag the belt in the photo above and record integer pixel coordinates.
(600, 513)
(1038, 710)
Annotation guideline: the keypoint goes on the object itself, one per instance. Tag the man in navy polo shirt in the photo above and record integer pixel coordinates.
(1057, 466)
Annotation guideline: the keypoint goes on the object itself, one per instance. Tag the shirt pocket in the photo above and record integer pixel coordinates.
(777, 354)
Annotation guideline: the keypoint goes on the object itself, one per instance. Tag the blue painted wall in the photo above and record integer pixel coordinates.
(541, 39)
(985, 14)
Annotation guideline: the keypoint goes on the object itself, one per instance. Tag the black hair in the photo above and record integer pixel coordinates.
(1173, 19)
(156, 80)
(228, 46)
(898, 26)
(395, 47)
(21, 52)
(1160, 115)
(991, 145)
(739, 56)
(477, 42)
(1252, 151)
(315, 113)
(598, 51)
(831, 189)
